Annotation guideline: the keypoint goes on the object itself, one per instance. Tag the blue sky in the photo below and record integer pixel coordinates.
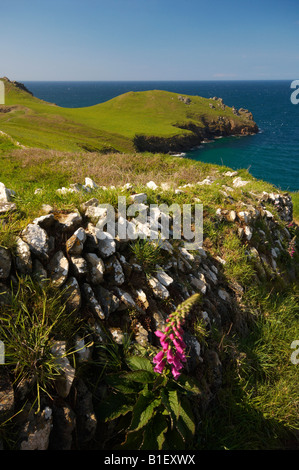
(149, 39)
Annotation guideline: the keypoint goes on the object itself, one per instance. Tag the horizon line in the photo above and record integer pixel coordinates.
(165, 80)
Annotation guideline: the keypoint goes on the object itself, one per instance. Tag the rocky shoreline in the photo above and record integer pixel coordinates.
(221, 126)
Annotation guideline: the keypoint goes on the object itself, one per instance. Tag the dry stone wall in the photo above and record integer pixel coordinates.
(104, 283)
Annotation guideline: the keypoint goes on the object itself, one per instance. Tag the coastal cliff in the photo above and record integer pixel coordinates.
(200, 128)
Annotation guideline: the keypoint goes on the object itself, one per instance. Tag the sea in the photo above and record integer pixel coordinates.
(271, 155)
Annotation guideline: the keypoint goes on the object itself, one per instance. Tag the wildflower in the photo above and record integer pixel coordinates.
(160, 367)
(171, 340)
(292, 247)
(158, 358)
(175, 373)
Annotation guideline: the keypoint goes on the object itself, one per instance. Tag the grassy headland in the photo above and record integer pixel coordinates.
(119, 124)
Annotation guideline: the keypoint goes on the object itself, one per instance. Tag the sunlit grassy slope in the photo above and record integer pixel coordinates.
(107, 126)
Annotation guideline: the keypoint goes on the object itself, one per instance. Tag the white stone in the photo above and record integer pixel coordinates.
(118, 335)
(152, 185)
(65, 190)
(114, 268)
(141, 295)
(223, 295)
(45, 221)
(93, 302)
(72, 295)
(238, 182)
(23, 257)
(232, 216)
(165, 186)
(243, 215)
(202, 252)
(38, 431)
(199, 283)
(95, 213)
(106, 243)
(210, 274)
(63, 385)
(74, 245)
(90, 183)
(188, 256)
(37, 239)
(165, 245)
(69, 221)
(163, 277)
(248, 232)
(125, 297)
(206, 181)
(7, 207)
(269, 214)
(127, 186)
(139, 198)
(82, 351)
(159, 290)
(5, 193)
(206, 317)
(58, 269)
(97, 270)
(80, 266)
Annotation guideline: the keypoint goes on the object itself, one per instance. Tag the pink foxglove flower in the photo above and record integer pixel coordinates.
(171, 340)
(292, 247)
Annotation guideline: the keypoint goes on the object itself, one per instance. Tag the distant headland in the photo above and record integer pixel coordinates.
(156, 121)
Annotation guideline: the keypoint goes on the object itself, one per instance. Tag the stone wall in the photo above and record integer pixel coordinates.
(105, 283)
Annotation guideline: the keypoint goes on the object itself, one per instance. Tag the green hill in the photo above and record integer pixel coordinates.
(152, 120)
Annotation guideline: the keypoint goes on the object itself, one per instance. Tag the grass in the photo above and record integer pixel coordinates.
(295, 198)
(148, 254)
(237, 267)
(25, 170)
(257, 407)
(29, 326)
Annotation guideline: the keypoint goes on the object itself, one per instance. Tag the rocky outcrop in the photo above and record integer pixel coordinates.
(107, 287)
(241, 123)
(19, 85)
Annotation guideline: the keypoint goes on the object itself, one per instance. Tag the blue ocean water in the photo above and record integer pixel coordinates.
(272, 155)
